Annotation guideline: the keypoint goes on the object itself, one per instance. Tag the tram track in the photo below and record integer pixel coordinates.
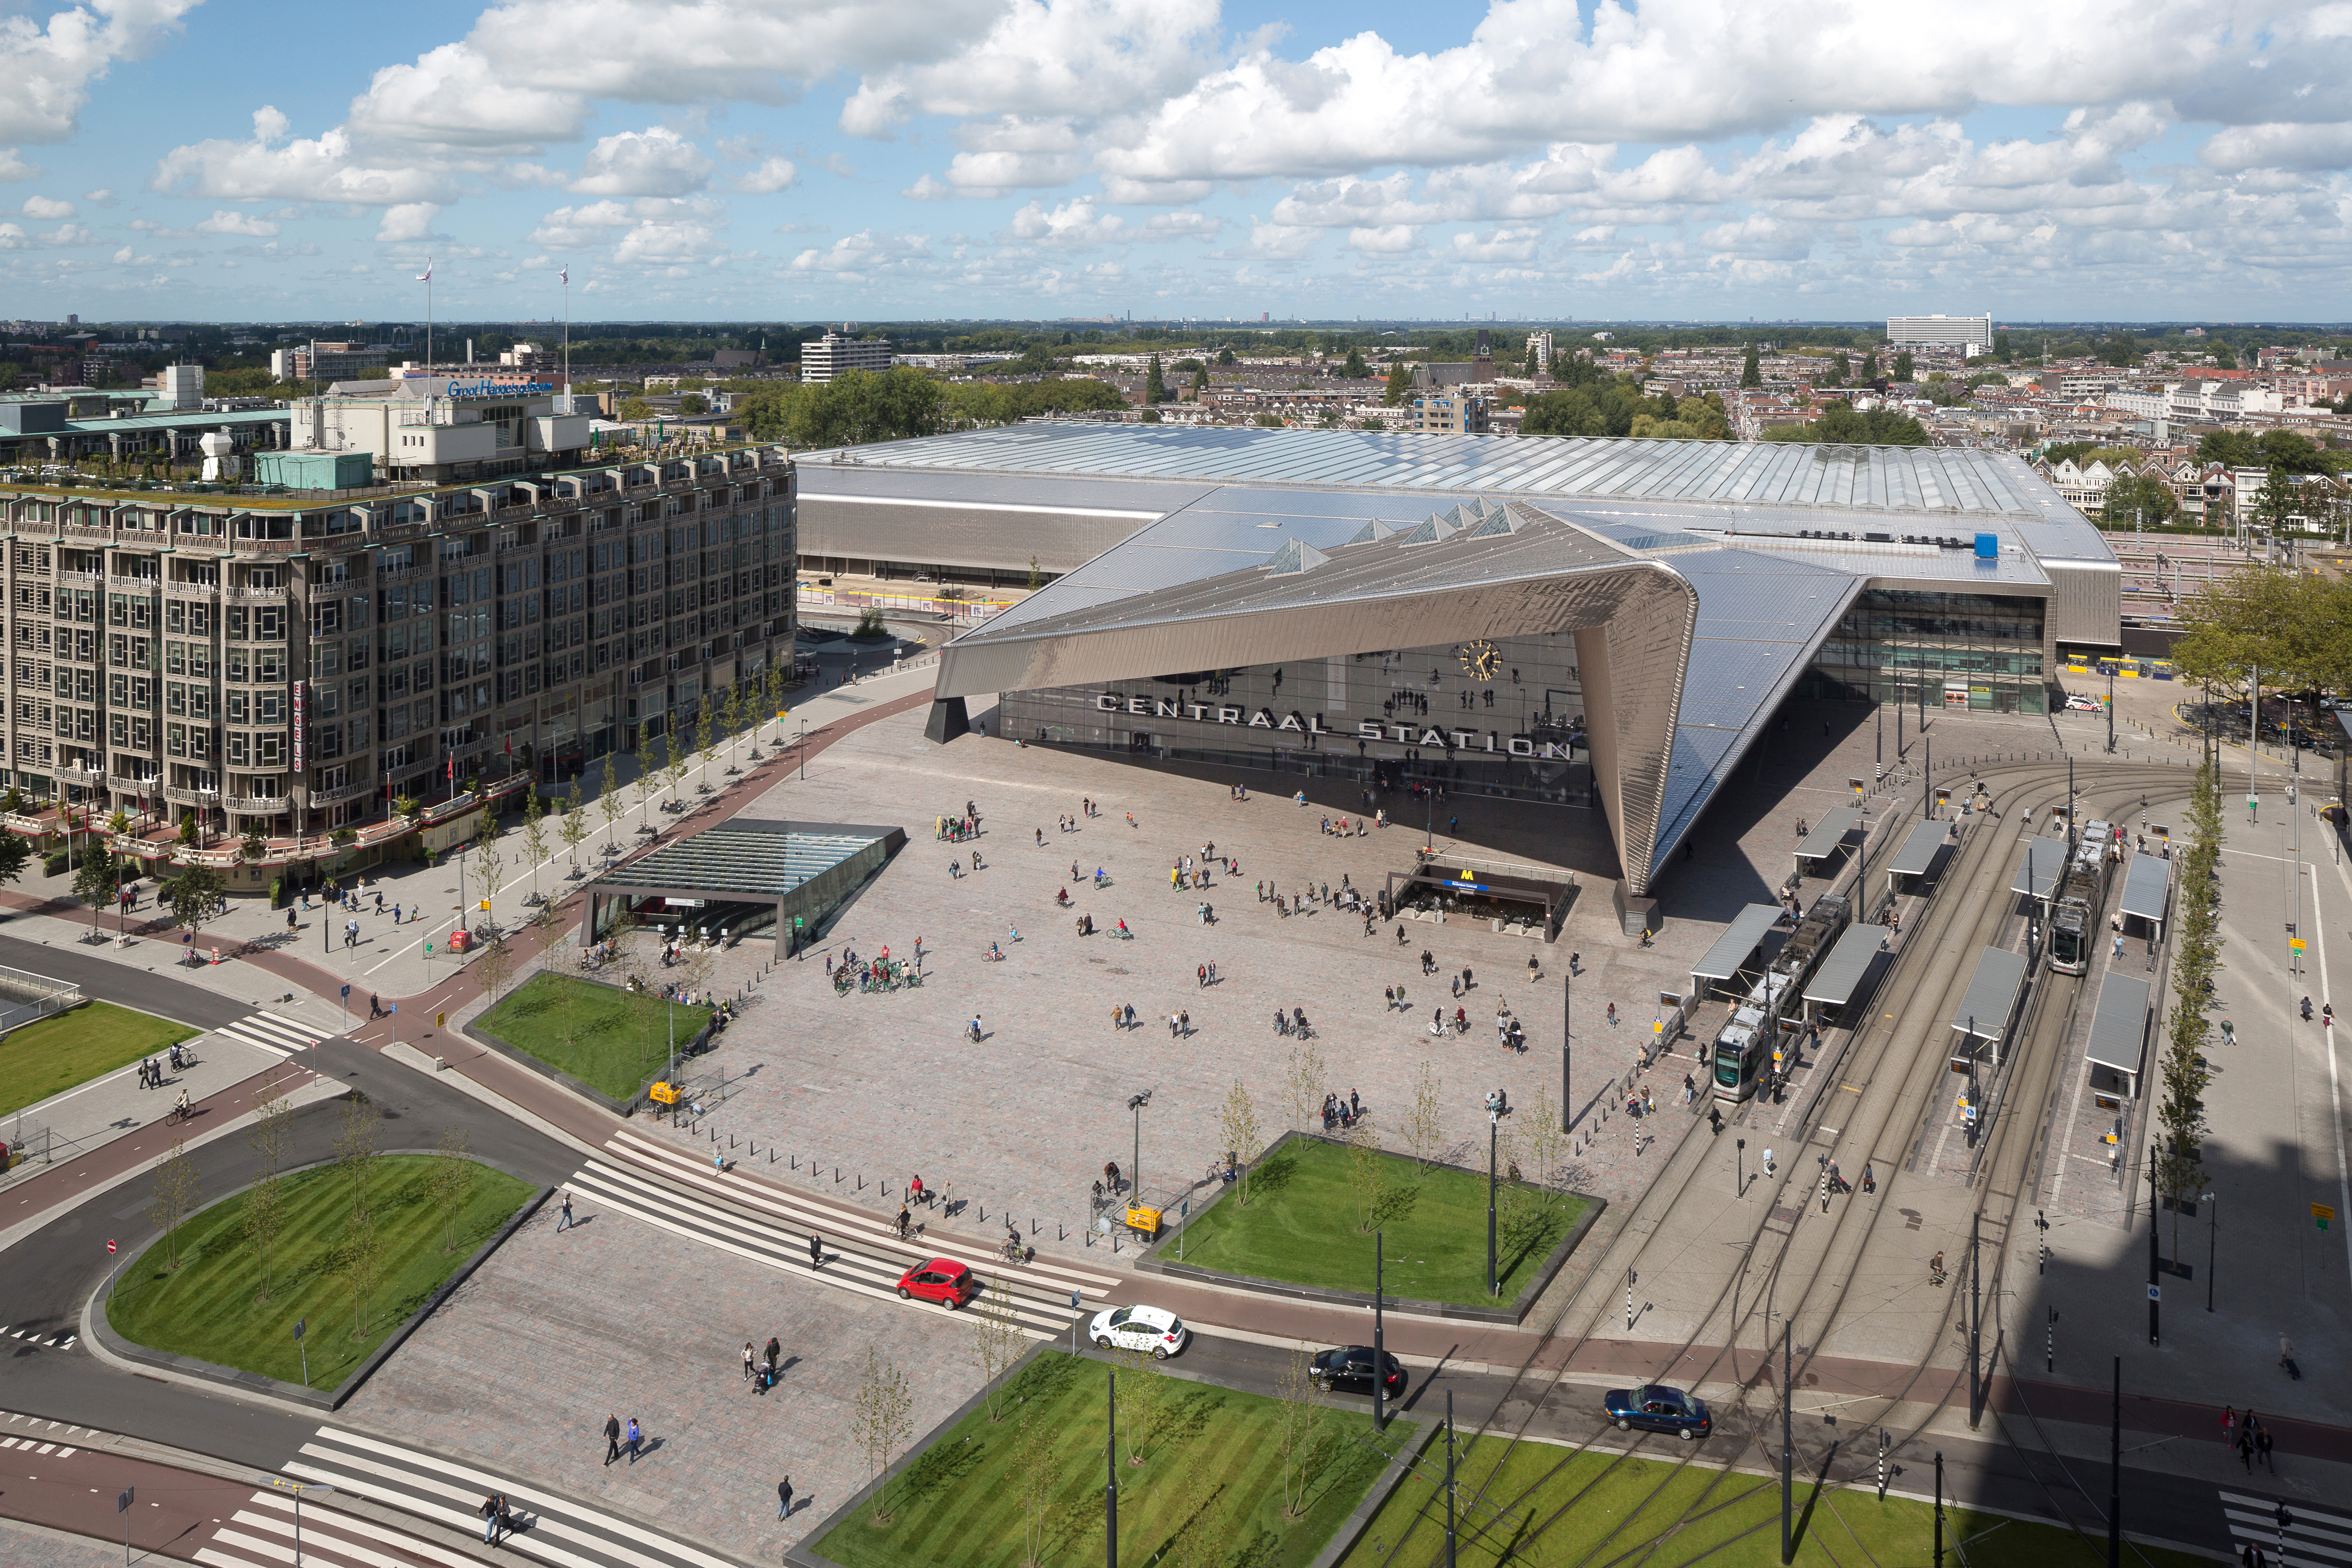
(1910, 1044)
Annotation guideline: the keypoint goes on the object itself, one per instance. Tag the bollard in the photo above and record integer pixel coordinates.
(771, 1155)
(796, 1162)
(731, 1140)
(861, 1180)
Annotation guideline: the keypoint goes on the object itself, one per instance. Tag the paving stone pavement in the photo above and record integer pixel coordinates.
(884, 1086)
(31, 1546)
(558, 1330)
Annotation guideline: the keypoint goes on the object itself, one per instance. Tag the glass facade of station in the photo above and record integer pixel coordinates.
(1504, 717)
(1980, 651)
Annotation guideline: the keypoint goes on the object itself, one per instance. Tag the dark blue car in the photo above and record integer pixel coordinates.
(1654, 1407)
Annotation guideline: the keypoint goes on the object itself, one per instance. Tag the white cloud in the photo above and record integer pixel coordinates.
(656, 161)
(406, 222)
(236, 223)
(98, 198)
(1072, 224)
(325, 168)
(47, 207)
(12, 236)
(772, 174)
(1390, 239)
(13, 167)
(45, 69)
(857, 258)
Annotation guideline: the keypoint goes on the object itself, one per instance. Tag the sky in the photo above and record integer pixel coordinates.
(1719, 160)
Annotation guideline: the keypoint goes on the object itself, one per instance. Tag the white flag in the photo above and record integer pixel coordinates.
(427, 276)
(566, 275)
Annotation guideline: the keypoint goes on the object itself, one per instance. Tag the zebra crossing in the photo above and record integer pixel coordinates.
(2315, 1536)
(269, 1032)
(776, 1233)
(552, 1529)
(265, 1531)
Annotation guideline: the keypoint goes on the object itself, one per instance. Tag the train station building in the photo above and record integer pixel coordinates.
(1567, 625)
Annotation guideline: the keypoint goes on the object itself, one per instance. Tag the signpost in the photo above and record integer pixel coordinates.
(2322, 1213)
(122, 1506)
(299, 1323)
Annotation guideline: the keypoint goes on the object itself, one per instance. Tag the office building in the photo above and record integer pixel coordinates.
(327, 363)
(442, 428)
(831, 354)
(1971, 333)
(285, 663)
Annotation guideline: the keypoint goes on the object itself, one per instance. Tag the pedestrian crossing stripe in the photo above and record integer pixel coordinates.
(449, 1492)
(846, 1267)
(261, 1535)
(269, 1032)
(2316, 1534)
(49, 1339)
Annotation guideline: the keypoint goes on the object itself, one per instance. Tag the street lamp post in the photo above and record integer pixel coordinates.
(1566, 1038)
(2212, 1231)
(1136, 1102)
(1380, 1345)
(1739, 1169)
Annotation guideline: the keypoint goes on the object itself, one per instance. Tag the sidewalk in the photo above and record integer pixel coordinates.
(92, 1114)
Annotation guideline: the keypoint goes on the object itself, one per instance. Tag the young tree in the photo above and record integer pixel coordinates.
(608, 801)
(1303, 1077)
(1425, 1124)
(452, 1181)
(534, 837)
(649, 783)
(1368, 1175)
(1035, 1477)
(490, 869)
(882, 1421)
(16, 854)
(196, 901)
(271, 1139)
(1143, 1398)
(1298, 1430)
(95, 883)
(705, 736)
(359, 1138)
(178, 1193)
(1237, 1129)
(494, 964)
(1544, 1145)
(2182, 1072)
(360, 1265)
(997, 1340)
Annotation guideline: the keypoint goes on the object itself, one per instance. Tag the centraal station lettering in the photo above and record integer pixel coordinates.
(1312, 724)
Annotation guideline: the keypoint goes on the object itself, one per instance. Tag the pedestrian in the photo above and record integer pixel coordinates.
(2229, 1425)
(506, 1517)
(784, 1497)
(1869, 1179)
(637, 1439)
(904, 1219)
(612, 1438)
(2263, 1446)
(564, 1222)
(489, 1512)
(816, 1250)
(2246, 1447)
(1612, 1015)
(775, 1353)
(748, 1358)
(1715, 1121)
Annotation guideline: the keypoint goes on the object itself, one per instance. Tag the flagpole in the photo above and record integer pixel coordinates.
(568, 404)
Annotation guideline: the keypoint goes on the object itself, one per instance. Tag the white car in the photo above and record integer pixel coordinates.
(2079, 704)
(1162, 1333)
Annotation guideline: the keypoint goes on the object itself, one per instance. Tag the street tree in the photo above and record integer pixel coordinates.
(1143, 1399)
(360, 1262)
(881, 1423)
(1237, 1129)
(1424, 1123)
(997, 1342)
(494, 964)
(1298, 1429)
(534, 835)
(96, 882)
(608, 800)
(359, 1138)
(271, 1139)
(16, 854)
(1368, 1175)
(452, 1180)
(178, 1193)
(1304, 1074)
(196, 899)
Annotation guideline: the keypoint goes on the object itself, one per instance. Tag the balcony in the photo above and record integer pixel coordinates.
(82, 579)
(179, 796)
(257, 595)
(256, 804)
(177, 589)
(318, 797)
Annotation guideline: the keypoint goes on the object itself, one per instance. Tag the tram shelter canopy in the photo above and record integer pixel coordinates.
(1916, 857)
(1828, 837)
(2119, 1030)
(1984, 1013)
(1837, 982)
(2038, 868)
(1735, 949)
(2147, 896)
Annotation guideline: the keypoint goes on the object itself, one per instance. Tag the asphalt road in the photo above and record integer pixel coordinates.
(46, 1276)
(158, 993)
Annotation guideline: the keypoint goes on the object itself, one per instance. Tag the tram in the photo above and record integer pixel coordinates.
(2082, 895)
(1772, 1013)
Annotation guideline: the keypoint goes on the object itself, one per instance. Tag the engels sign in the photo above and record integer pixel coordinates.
(1312, 724)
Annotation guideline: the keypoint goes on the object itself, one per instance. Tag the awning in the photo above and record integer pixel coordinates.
(1833, 982)
(1829, 834)
(1735, 946)
(1984, 1012)
(2147, 888)
(2044, 862)
(2119, 1025)
(1926, 840)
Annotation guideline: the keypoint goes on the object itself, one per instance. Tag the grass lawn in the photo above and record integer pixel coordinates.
(615, 1041)
(1211, 1480)
(1578, 1513)
(1300, 1227)
(208, 1308)
(52, 1055)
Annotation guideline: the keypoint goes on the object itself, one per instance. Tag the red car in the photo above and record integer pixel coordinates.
(941, 1279)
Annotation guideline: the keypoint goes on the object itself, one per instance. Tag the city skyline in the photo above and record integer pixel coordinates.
(1008, 159)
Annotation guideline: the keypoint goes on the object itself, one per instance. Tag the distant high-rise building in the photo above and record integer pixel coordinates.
(1540, 344)
(833, 353)
(1939, 332)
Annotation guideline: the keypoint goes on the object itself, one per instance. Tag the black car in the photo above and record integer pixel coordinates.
(1654, 1407)
(1350, 1368)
